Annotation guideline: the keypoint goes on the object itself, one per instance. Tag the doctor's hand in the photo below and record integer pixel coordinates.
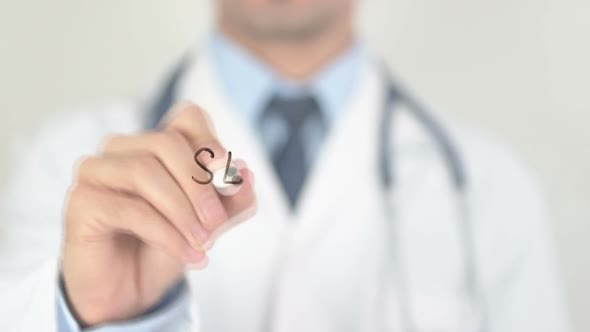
(135, 219)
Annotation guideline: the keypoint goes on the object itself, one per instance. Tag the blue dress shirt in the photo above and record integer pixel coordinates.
(249, 84)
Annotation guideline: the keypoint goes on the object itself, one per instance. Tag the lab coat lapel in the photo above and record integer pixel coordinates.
(339, 225)
(242, 262)
(336, 255)
(345, 165)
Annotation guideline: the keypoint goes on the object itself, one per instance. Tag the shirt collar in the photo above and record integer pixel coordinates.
(249, 83)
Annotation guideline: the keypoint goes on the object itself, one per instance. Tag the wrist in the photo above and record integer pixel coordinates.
(90, 308)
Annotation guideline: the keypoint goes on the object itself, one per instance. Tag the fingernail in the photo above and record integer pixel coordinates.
(213, 212)
(208, 245)
(194, 256)
(199, 265)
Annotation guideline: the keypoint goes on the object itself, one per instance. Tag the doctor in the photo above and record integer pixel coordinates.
(288, 87)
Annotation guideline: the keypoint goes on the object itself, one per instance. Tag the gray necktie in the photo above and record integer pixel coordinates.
(291, 116)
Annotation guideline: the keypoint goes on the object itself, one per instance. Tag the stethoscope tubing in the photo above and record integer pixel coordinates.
(393, 95)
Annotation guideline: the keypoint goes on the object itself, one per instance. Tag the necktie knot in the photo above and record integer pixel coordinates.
(295, 111)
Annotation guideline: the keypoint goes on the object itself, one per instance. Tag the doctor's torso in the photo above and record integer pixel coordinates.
(317, 268)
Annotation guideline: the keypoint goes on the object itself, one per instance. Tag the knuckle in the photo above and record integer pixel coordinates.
(185, 112)
(76, 202)
(74, 194)
(143, 167)
(214, 145)
(81, 165)
(132, 212)
(125, 213)
(168, 140)
(110, 141)
(188, 106)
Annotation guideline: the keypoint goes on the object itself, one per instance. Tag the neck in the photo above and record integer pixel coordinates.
(296, 59)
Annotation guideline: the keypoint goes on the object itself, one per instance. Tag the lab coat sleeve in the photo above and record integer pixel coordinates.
(31, 214)
(170, 314)
(522, 286)
(30, 232)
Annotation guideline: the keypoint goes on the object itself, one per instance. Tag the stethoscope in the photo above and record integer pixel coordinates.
(395, 95)
(393, 265)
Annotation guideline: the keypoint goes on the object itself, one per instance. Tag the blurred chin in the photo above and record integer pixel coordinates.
(282, 19)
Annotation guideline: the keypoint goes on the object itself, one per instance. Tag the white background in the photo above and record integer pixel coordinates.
(517, 68)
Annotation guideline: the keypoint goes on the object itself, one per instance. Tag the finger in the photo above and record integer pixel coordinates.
(195, 126)
(109, 212)
(174, 152)
(240, 206)
(245, 197)
(144, 176)
(180, 107)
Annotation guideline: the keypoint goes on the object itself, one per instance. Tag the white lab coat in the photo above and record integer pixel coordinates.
(324, 262)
